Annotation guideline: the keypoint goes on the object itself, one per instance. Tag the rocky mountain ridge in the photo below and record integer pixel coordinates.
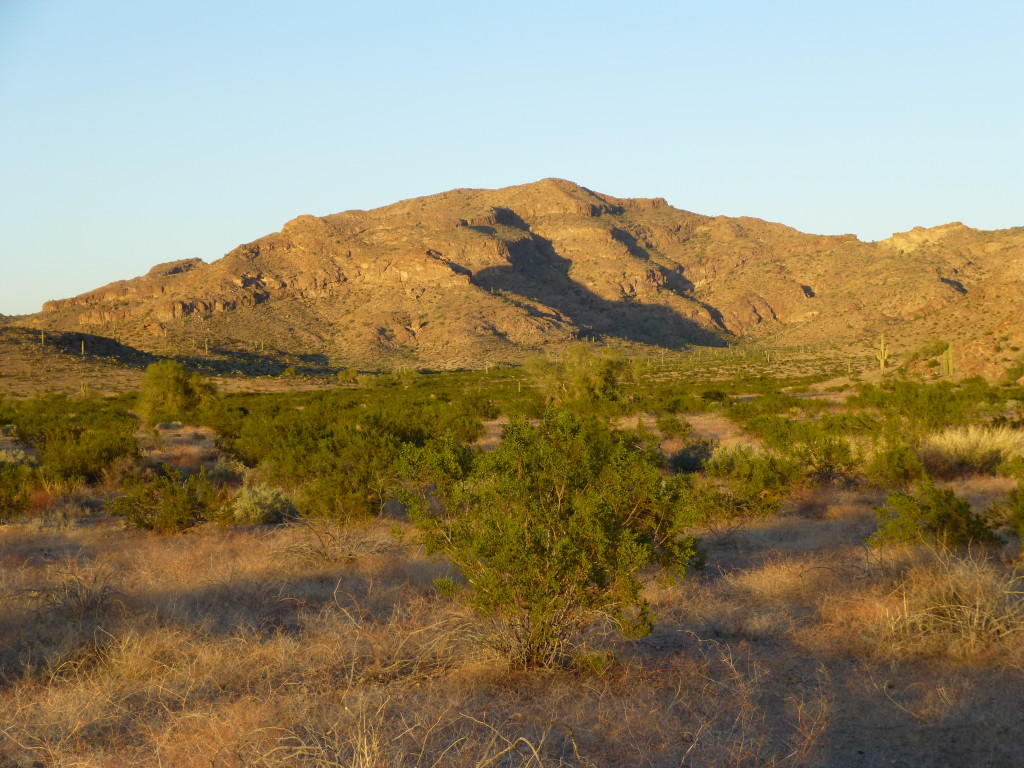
(482, 275)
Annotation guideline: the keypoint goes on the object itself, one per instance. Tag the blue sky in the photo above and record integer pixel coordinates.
(137, 132)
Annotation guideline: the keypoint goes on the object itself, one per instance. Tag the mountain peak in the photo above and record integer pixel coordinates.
(450, 279)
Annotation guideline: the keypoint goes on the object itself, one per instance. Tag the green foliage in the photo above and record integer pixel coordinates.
(335, 452)
(826, 457)
(921, 407)
(84, 454)
(818, 446)
(579, 378)
(931, 348)
(169, 392)
(930, 514)
(15, 486)
(1014, 372)
(724, 507)
(714, 396)
(549, 527)
(1012, 510)
(168, 503)
(691, 457)
(76, 438)
(672, 426)
(348, 375)
(752, 472)
(894, 464)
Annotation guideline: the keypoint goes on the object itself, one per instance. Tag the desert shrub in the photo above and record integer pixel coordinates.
(348, 375)
(930, 514)
(76, 438)
(579, 377)
(1012, 468)
(714, 396)
(550, 527)
(691, 457)
(15, 487)
(169, 392)
(928, 406)
(818, 446)
(85, 454)
(167, 503)
(1010, 512)
(893, 464)
(335, 452)
(962, 450)
(261, 505)
(721, 509)
(13, 456)
(753, 472)
(672, 426)
(826, 457)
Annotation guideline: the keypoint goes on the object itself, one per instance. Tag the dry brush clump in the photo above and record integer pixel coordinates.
(961, 606)
(963, 450)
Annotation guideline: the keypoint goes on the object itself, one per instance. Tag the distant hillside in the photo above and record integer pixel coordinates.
(470, 275)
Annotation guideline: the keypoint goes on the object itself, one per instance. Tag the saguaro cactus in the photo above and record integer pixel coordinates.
(947, 362)
(882, 354)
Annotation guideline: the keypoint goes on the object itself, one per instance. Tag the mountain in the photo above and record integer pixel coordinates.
(454, 279)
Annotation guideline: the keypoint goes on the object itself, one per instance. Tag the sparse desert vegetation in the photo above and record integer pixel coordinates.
(595, 560)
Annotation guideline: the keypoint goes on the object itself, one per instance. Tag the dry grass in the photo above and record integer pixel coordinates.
(959, 605)
(317, 646)
(963, 450)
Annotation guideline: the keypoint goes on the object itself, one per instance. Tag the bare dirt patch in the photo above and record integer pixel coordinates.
(182, 447)
(718, 429)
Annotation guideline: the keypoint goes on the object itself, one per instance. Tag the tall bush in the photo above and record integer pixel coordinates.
(549, 528)
(169, 392)
(932, 515)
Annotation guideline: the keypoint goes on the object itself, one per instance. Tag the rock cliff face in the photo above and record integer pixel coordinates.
(472, 274)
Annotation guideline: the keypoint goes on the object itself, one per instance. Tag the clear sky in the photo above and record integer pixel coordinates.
(134, 132)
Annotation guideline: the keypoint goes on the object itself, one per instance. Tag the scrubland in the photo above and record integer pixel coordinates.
(189, 578)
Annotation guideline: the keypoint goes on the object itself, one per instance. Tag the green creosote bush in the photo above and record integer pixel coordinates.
(84, 454)
(169, 393)
(691, 457)
(753, 471)
(1012, 468)
(1010, 512)
(579, 377)
(77, 438)
(261, 505)
(167, 503)
(893, 464)
(549, 529)
(672, 426)
(348, 376)
(15, 487)
(930, 515)
(725, 507)
(826, 458)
